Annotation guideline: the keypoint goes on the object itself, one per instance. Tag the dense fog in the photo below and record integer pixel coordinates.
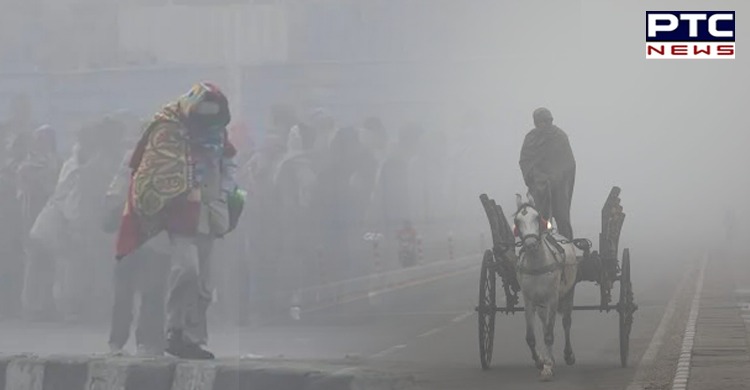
(463, 77)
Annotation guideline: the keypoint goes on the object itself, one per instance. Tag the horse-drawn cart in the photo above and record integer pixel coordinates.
(601, 267)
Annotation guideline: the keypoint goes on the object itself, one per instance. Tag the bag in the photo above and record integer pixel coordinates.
(235, 206)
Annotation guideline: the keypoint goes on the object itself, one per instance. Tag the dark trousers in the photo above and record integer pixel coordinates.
(553, 199)
(143, 273)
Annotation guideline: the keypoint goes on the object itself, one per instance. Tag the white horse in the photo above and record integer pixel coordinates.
(547, 272)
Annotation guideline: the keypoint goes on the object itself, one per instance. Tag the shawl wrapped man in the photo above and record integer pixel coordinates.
(163, 191)
(183, 183)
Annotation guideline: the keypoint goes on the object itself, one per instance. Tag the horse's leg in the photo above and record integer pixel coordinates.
(567, 313)
(548, 315)
(530, 337)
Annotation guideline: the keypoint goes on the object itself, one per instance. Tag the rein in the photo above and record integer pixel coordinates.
(554, 246)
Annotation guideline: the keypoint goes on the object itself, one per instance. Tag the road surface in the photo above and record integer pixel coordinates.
(429, 330)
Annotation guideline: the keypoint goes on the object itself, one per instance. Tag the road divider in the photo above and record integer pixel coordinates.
(110, 373)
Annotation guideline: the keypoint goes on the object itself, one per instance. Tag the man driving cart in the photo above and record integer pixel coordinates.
(549, 170)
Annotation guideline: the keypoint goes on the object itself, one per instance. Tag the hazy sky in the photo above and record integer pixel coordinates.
(672, 134)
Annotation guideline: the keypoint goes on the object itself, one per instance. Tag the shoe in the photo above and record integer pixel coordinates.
(196, 352)
(175, 343)
(178, 346)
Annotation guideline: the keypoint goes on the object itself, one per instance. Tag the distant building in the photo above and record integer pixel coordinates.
(248, 34)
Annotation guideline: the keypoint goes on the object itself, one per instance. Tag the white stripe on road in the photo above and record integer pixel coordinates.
(454, 320)
(345, 371)
(430, 332)
(401, 286)
(388, 351)
(658, 338)
(468, 259)
(683, 365)
(463, 316)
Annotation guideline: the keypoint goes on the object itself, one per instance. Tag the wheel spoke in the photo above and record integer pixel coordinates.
(486, 310)
(626, 307)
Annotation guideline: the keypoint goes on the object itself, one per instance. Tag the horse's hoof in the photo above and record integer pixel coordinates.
(570, 359)
(546, 374)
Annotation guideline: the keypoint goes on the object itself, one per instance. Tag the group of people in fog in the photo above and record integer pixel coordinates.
(314, 188)
(173, 212)
(50, 217)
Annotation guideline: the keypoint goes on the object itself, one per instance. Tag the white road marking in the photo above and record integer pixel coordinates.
(389, 289)
(388, 351)
(345, 370)
(463, 316)
(430, 332)
(420, 281)
(683, 366)
(658, 338)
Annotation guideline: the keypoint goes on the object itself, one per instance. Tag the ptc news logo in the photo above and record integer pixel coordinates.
(690, 34)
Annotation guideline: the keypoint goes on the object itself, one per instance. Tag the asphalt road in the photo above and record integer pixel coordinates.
(429, 330)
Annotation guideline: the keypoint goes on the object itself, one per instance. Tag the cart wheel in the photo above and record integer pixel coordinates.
(626, 307)
(486, 309)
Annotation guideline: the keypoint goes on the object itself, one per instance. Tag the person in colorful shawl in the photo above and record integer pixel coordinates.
(183, 182)
(142, 276)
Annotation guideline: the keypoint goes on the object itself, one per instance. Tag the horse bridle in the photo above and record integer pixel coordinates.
(523, 238)
(556, 250)
(532, 235)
